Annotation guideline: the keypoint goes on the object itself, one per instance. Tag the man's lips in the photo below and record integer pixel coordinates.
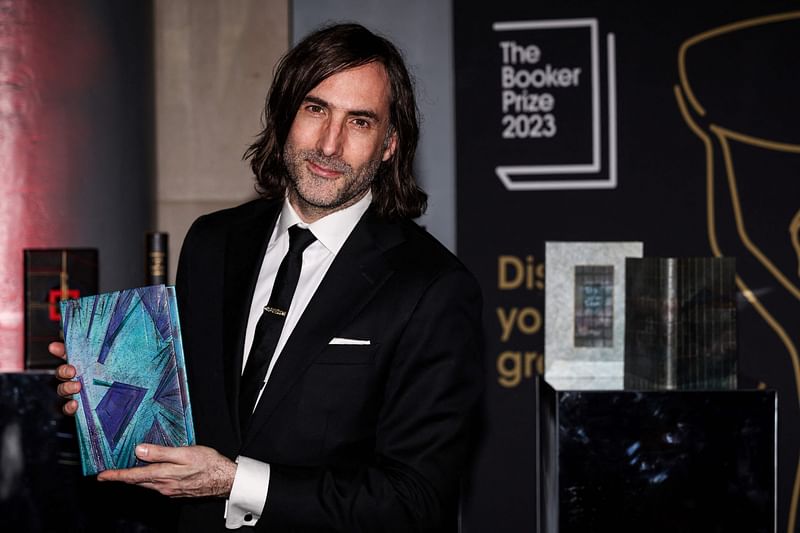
(320, 170)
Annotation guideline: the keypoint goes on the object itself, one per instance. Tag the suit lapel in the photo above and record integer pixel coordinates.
(352, 280)
(244, 252)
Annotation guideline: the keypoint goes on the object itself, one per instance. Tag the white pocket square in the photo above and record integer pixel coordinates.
(342, 340)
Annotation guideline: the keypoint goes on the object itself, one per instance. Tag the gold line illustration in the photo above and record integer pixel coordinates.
(685, 98)
(748, 294)
(735, 26)
(759, 142)
(737, 209)
(712, 234)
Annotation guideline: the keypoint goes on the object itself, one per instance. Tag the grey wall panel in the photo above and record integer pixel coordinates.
(423, 30)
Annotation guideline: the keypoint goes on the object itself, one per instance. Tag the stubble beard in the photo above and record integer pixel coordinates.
(324, 195)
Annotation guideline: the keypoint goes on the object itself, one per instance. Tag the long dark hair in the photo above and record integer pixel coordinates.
(326, 52)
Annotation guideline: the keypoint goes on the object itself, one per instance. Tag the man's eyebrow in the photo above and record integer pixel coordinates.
(315, 100)
(367, 113)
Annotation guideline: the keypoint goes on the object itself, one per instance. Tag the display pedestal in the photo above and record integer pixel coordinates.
(657, 461)
(41, 486)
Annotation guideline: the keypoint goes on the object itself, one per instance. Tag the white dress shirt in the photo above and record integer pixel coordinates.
(250, 485)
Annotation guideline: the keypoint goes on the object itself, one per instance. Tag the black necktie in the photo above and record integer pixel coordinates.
(268, 329)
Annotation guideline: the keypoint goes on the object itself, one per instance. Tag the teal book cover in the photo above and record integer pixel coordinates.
(126, 348)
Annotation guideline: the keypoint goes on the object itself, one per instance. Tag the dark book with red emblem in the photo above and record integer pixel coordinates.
(52, 275)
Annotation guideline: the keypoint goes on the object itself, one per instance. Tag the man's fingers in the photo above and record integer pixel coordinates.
(65, 372)
(134, 476)
(68, 388)
(148, 485)
(152, 453)
(70, 408)
(57, 349)
(140, 474)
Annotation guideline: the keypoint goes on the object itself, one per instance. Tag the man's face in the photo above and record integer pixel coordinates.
(339, 137)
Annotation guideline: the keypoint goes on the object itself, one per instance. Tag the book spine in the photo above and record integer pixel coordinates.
(156, 267)
(670, 302)
(177, 343)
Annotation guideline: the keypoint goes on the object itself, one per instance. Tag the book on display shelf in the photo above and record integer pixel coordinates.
(53, 275)
(681, 323)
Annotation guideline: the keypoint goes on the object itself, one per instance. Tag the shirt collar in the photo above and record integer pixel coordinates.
(331, 230)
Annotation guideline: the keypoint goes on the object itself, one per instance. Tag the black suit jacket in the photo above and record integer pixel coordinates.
(359, 437)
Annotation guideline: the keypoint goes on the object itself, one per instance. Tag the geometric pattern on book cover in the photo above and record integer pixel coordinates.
(126, 348)
(117, 408)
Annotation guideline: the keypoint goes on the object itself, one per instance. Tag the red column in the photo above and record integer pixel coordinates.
(61, 71)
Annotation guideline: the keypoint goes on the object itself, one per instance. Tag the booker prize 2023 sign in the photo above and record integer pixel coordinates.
(550, 91)
(624, 121)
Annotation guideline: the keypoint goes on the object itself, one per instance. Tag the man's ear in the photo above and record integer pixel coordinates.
(391, 145)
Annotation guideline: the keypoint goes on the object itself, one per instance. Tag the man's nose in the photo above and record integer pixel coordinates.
(332, 138)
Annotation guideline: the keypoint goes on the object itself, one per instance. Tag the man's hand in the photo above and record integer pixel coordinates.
(65, 373)
(189, 471)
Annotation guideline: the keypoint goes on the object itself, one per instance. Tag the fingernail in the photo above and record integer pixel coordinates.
(141, 450)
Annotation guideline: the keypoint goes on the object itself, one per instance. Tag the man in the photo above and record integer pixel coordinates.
(364, 422)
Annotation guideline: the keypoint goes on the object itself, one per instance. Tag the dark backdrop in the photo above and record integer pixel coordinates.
(707, 163)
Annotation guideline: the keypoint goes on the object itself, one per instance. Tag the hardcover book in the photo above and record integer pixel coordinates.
(53, 275)
(681, 323)
(126, 347)
(584, 334)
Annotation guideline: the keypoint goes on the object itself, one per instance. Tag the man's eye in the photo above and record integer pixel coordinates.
(360, 123)
(314, 108)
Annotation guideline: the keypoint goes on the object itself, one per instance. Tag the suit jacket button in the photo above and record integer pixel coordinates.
(248, 517)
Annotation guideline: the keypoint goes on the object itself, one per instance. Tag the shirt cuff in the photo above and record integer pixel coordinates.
(248, 494)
